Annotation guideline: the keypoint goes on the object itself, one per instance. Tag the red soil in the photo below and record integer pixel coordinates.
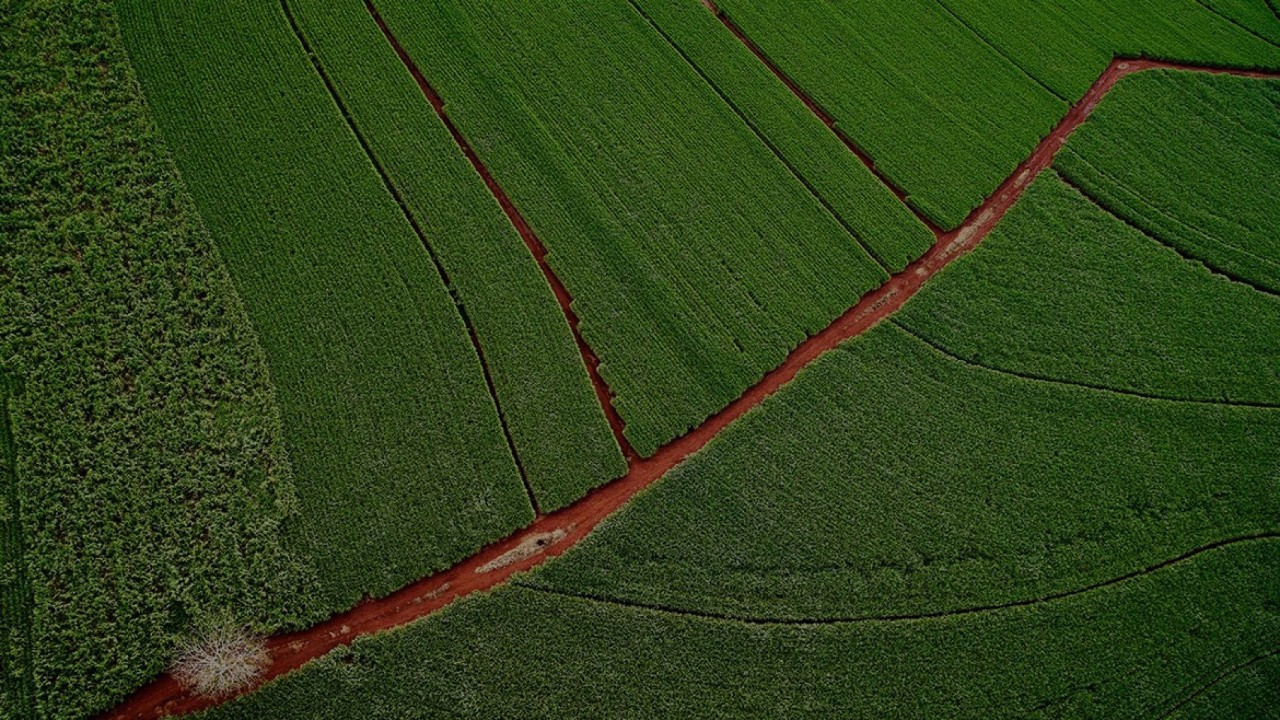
(551, 535)
(535, 245)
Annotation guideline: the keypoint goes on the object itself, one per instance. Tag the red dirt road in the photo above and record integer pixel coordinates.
(551, 535)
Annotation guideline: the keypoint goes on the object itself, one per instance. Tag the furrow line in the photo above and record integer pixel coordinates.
(1239, 25)
(818, 111)
(997, 50)
(1109, 209)
(1216, 680)
(906, 617)
(422, 237)
(947, 353)
(531, 240)
(777, 154)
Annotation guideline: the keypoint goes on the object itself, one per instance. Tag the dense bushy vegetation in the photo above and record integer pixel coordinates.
(1133, 649)
(948, 97)
(147, 482)
(17, 684)
(560, 433)
(1193, 160)
(1062, 290)
(1250, 689)
(401, 461)
(322, 363)
(695, 257)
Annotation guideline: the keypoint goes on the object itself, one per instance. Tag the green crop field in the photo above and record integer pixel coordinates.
(561, 437)
(1131, 649)
(401, 463)
(639, 359)
(145, 480)
(1171, 152)
(947, 96)
(689, 281)
(1065, 291)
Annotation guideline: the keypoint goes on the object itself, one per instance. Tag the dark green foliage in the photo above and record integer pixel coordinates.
(695, 257)
(1063, 290)
(146, 446)
(17, 685)
(948, 96)
(1247, 691)
(812, 150)
(401, 461)
(1132, 649)
(560, 432)
(1193, 160)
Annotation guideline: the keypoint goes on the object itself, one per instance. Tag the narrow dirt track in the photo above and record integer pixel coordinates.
(550, 535)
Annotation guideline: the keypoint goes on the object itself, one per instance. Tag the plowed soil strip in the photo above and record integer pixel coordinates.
(535, 245)
(551, 535)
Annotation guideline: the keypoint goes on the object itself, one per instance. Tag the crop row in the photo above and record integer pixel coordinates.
(1257, 16)
(1137, 648)
(1066, 44)
(959, 459)
(17, 691)
(147, 454)
(817, 156)
(402, 466)
(1194, 160)
(948, 96)
(695, 257)
(891, 479)
(559, 430)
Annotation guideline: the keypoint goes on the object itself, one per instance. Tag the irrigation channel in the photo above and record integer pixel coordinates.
(552, 534)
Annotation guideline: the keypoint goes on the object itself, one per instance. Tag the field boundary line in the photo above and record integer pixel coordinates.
(1032, 377)
(1153, 237)
(909, 617)
(1232, 670)
(164, 697)
(857, 237)
(1239, 25)
(989, 43)
(536, 248)
(458, 304)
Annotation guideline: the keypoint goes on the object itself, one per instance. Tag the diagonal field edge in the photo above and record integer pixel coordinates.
(551, 535)
(1187, 255)
(777, 154)
(1220, 677)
